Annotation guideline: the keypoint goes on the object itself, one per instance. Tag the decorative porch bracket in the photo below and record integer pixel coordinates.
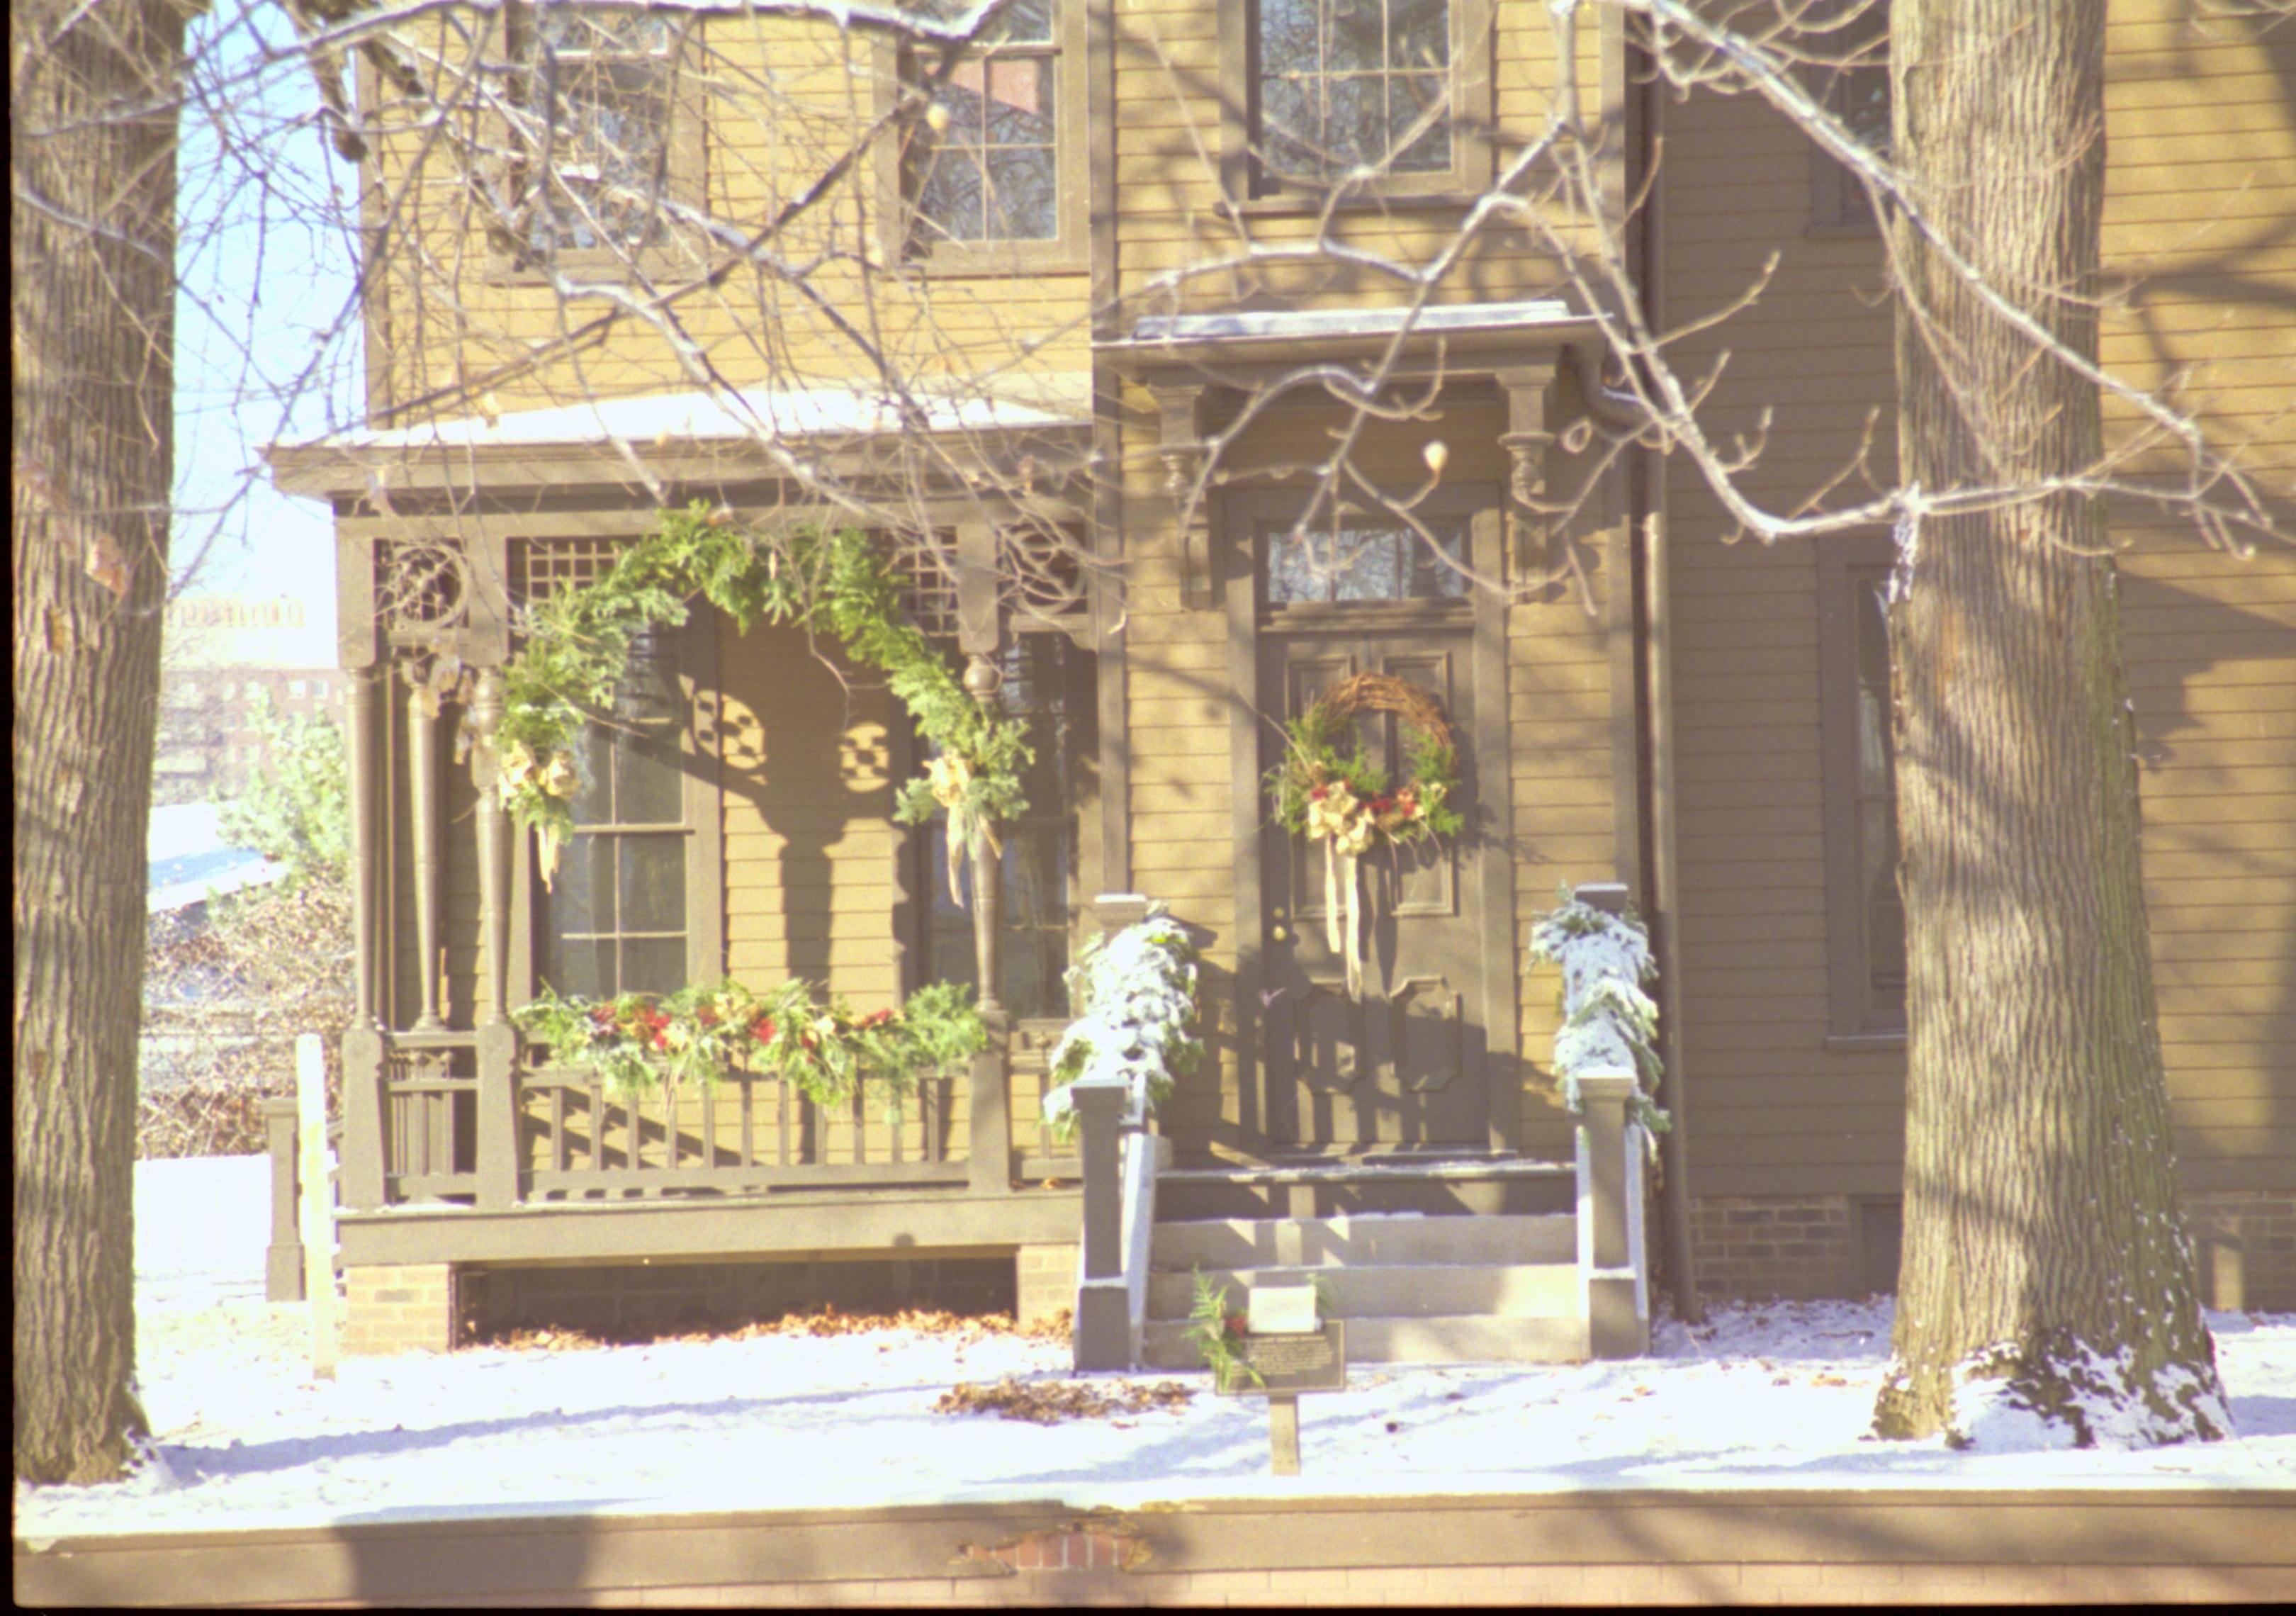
(1526, 441)
(1179, 410)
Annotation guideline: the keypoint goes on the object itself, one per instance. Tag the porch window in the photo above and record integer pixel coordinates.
(615, 921)
(1005, 167)
(1865, 920)
(1052, 685)
(1848, 71)
(1351, 558)
(1393, 90)
(607, 131)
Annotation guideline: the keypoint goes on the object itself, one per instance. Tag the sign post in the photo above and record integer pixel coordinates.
(316, 1207)
(1291, 1351)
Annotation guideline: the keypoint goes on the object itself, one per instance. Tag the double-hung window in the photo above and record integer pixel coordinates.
(1385, 96)
(1866, 919)
(631, 907)
(606, 129)
(1848, 68)
(990, 177)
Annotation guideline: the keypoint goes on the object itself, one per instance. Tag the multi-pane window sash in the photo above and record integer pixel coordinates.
(616, 920)
(1358, 560)
(992, 172)
(1349, 85)
(1865, 917)
(600, 95)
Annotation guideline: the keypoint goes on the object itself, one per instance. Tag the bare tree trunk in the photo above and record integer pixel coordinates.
(92, 236)
(2045, 1265)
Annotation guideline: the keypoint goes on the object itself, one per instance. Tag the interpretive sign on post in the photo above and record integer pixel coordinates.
(1287, 1363)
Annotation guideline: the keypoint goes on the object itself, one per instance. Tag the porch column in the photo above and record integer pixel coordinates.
(423, 795)
(978, 629)
(493, 847)
(362, 783)
(1526, 441)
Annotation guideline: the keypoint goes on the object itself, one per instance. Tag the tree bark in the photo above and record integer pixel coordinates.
(2045, 1269)
(92, 236)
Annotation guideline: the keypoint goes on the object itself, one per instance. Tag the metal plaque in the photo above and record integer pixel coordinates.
(1309, 1361)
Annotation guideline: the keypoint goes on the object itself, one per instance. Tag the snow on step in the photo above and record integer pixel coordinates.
(1399, 1290)
(1363, 1240)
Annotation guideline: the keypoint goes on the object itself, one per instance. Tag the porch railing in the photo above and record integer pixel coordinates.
(473, 1118)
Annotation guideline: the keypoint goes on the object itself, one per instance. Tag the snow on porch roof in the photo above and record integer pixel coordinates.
(1278, 325)
(779, 412)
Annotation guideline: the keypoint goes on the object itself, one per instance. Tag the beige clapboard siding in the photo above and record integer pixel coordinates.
(2203, 169)
(810, 843)
(784, 99)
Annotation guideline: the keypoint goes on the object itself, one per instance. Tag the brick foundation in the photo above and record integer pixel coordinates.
(1046, 1281)
(1801, 1246)
(407, 1307)
(1810, 1246)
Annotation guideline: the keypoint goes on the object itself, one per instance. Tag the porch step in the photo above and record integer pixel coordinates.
(1396, 1291)
(1363, 1240)
(1413, 1289)
(1441, 1339)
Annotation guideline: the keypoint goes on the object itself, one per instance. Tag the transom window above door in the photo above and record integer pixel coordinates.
(1389, 95)
(1356, 559)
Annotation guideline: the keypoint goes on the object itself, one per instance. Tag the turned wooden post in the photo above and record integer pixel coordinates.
(494, 845)
(422, 794)
(361, 783)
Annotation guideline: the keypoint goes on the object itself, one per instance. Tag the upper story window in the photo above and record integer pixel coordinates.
(607, 129)
(1866, 918)
(1389, 95)
(1849, 71)
(993, 180)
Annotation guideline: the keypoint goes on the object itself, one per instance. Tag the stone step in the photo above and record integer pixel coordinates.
(1366, 1240)
(1394, 1291)
(1441, 1339)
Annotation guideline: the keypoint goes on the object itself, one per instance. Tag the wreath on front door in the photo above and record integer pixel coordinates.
(1328, 791)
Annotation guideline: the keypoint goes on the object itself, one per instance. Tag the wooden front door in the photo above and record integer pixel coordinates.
(1402, 1064)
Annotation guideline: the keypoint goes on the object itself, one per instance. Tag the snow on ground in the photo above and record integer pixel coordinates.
(1767, 1395)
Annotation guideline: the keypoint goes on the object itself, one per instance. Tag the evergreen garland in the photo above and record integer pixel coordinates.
(638, 1042)
(577, 645)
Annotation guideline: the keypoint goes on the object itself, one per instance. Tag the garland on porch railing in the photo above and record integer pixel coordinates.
(1135, 997)
(1608, 1021)
(1328, 791)
(577, 646)
(638, 1042)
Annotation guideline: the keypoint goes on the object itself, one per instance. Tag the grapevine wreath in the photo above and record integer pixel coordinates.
(1328, 791)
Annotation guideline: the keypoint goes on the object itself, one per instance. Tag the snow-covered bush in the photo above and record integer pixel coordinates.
(1135, 997)
(1608, 1021)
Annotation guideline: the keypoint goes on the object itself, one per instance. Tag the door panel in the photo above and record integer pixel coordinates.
(1403, 1067)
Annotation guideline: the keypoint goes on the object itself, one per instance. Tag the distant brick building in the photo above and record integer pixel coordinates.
(226, 655)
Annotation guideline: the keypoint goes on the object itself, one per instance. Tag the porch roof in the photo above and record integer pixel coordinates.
(1259, 336)
(754, 431)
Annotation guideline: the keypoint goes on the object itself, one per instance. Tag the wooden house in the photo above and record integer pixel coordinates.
(1053, 381)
